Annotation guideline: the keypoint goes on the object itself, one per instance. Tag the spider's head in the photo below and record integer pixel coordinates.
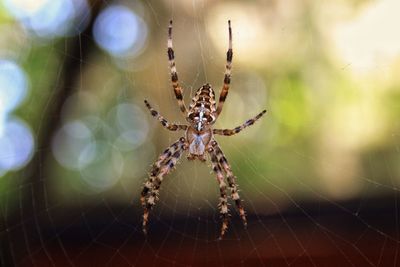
(201, 118)
(199, 123)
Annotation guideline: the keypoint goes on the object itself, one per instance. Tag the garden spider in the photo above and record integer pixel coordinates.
(198, 139)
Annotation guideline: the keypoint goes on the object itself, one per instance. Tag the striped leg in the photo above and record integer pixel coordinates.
(161, 167)
(231, 182)
(227, 78)
(223, 200)
(174, 76)
(229, 132)
(164, 122)
(156, 168)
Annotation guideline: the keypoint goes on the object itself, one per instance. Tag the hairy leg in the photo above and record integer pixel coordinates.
(161, 167)
(227, 77)
(229, 132)
(174, 75)
(164, 122)
(223, 200)
(231, 182)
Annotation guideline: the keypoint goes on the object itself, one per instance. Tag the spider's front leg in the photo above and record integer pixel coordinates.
(223, 200)
(227, 77)
(165, 163)
(174, 75)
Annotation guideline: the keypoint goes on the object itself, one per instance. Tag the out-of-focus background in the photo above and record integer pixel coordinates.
(319, 174)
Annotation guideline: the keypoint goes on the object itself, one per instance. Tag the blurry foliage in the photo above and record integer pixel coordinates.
(307, 93)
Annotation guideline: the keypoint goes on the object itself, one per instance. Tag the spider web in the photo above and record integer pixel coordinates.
(85, 211)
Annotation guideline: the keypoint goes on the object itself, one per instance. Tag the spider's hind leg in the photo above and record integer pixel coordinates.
(231, 182)
(165, 163)
(223, 200)
(155, 170)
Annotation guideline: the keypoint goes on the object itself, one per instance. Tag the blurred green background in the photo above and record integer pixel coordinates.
(326, 72)
(74, 132)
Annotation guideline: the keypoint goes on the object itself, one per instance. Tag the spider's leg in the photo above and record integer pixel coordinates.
(231, 182)
(156, 169)
(162, 167)
(229, 132)
(227, 78)
(174, 75)
(164, 122)
(223, 200)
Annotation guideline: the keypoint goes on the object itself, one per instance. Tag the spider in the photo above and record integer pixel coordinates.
(198, 140)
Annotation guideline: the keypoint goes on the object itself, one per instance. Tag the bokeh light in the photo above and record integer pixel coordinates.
(69, 143)
(47, 18)
(16, 145)
(79, 145)
(367, 41)
(131, 126)
(3, 116)
(106, 167)
(119, 31)
(80, 106)
(251, 37)
(13, 86)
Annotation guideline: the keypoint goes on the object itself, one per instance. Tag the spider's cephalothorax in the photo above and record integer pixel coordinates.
(198, 140)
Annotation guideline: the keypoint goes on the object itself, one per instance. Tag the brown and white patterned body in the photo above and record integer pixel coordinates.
(198, 140)
(201, 117)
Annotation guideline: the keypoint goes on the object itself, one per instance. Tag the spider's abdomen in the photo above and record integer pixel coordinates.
(198, 141)
(202, 108)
